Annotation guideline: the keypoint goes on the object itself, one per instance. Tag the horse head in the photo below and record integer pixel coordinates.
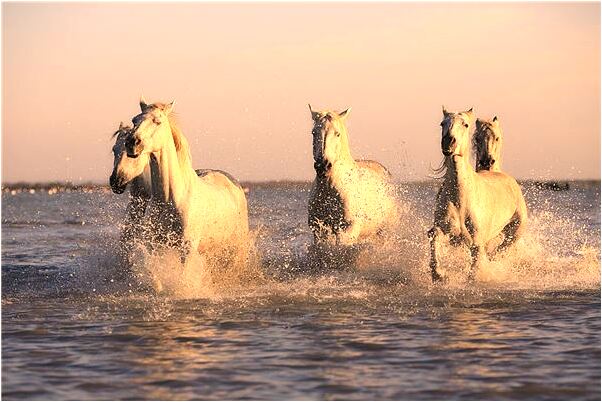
(125, 169)
(487, 144)
(151, 129)
(455, 132)
(330, 140)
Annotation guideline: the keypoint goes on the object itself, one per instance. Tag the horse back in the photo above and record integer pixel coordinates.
(374, 166)
(218, 177)
(495, 180)
(227, 197)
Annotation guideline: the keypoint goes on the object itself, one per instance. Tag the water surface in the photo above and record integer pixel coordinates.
(73, 328)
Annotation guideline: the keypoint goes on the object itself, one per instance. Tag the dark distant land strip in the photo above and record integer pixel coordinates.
(56, 187)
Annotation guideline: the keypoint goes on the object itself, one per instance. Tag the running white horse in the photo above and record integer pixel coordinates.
(472, 208)
(140, 193)
(351, 200)
(127, 171)
(487, 144)
(186, 212)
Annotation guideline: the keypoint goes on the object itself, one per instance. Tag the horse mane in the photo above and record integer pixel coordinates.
(180, 142)
(476, 137)
(121, 130)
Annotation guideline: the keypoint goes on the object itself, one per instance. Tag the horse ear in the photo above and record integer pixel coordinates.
(143, 104)
(169, 107)
(470, 113)
(121, 126)
(345, 113)
(495, 119)
(314, 115)
(445, 112)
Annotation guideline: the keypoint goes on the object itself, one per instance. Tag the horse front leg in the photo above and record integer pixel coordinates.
(434, 234)
(477, 254)
(512, 232)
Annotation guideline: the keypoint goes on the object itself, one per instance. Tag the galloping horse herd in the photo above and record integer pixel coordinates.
(352, 201)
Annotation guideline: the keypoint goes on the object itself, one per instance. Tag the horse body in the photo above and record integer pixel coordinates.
(473, 208)
(374, 166)
(187, 211)
(206, 212)
(350, 200)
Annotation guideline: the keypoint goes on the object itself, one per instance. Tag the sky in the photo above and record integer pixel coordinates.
(242, 75)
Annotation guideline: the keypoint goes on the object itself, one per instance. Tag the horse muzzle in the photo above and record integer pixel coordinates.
(322, 166)
(447, 145)
(487, 163)
(116, 184)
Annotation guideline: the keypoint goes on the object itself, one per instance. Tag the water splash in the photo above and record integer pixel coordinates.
(556, 253)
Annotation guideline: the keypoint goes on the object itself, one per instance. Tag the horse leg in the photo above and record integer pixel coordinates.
(477, 253)
(433, 235)
(512, 232)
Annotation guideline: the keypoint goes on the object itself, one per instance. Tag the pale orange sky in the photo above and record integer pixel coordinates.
(242, 75)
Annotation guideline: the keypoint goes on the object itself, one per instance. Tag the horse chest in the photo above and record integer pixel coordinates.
(450, 219)
(167, 223)
(327, 208)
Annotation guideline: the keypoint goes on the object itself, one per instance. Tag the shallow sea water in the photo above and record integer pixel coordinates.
(74, 328)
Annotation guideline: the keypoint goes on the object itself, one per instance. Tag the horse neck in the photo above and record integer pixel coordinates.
(170, 179)
(459, 174)
(141, 185)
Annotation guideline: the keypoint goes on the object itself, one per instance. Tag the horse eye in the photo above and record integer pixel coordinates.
(156, 121)
(466, 125)
(337, 133)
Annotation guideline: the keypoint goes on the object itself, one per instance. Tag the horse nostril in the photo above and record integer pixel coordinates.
(113, 182)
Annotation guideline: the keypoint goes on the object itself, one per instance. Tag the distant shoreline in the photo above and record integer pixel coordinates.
(57, 186)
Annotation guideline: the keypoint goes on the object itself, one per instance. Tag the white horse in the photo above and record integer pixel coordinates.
(140, 193)
(186, 212)
(472, 208)
(350, 199)
(127, 171)
(487, 144)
